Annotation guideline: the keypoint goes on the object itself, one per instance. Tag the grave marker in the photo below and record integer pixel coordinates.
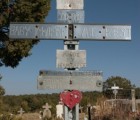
(72, 29)
(21, 111)
(47, 112)
(59, 110)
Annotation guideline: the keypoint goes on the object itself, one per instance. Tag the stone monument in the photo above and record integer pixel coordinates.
(47, 112)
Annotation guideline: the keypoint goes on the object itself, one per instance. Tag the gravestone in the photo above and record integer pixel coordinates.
(59, 110)
(47, 112)
(21, 111)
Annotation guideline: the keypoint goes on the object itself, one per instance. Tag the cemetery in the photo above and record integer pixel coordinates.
(84, 95)
(94, 105)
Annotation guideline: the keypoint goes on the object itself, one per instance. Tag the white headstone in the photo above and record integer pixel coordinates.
(21, 111)
(47, 112)
(59, 110)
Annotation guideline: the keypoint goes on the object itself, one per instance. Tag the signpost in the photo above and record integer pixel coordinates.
(70, 27)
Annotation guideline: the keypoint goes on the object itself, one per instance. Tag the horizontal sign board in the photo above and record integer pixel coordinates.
(38, 31)
(71, 58)
(70, 4)
(102, 32)
(61, 31)
(70, 16)
(74, 80)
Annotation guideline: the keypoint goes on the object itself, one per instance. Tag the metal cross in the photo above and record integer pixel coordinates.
(115, 89)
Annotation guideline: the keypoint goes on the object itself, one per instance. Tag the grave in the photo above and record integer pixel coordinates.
(21, 111)
(59, 110)
(47, 112)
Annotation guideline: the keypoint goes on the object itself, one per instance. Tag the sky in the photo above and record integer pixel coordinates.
(114, 58)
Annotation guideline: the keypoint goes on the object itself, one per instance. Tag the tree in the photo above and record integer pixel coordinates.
(137, 92)
(119, 81)
(0, 76)
(13, 51)
(2, 90)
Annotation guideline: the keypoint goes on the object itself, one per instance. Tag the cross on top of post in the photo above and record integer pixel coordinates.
(46, 106)
(21, 111)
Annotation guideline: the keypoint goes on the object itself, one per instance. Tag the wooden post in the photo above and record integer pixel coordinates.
(133, 100)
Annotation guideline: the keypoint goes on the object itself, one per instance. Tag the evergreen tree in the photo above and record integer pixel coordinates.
(2, 90)
(13, 51)
(121, 83)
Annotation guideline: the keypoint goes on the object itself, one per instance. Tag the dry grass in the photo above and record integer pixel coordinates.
(30, 116)
(115, 111)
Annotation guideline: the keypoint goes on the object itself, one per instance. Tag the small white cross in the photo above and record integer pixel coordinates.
(21, 111)
(47, 106)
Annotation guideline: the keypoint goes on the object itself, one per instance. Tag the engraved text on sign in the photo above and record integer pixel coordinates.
(101, 32)
(71, 58)
(38, 31)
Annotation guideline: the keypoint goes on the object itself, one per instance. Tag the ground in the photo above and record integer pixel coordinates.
(30, 116)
